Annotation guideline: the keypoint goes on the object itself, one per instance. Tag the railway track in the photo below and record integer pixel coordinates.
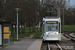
(68, 36)
(54, 46)
(61, 45)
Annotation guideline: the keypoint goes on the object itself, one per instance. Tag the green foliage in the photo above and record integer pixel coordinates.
(37, 35)
(69, 27)
(74, 33)
(17, 40)
(4, 46)
(22, 35)
(27, 29)
(27, 34)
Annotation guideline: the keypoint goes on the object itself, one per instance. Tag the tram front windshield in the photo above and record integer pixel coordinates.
(51, 26)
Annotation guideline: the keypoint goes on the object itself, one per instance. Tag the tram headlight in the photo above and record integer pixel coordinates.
(56, 32)
(47, 33)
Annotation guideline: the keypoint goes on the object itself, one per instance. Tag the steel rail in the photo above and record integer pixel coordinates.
(59, 46)
(48, 46)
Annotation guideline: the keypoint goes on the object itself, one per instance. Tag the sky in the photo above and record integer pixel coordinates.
(72, 2)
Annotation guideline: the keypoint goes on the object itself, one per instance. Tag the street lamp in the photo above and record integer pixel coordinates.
(17, 10)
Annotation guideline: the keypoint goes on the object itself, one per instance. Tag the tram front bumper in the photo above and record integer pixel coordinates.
(51, 39)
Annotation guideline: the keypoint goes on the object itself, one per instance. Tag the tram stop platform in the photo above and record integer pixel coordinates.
(36, 45)
(25, 44)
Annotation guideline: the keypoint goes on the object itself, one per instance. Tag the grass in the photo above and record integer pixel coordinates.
(4, 46)
(37, 35)
(74, 33)
(17, 40)
(22, 35)
(26, 29)
(69, 27)
(27, 34)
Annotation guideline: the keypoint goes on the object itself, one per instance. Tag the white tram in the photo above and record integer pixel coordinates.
(51, 29)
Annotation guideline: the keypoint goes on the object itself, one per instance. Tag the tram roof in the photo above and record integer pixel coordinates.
(48, 18)
(51, 17)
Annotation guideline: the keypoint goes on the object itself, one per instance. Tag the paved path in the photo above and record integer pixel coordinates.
(72, 34)
(64, 38)
(36, 45)
(21, 45)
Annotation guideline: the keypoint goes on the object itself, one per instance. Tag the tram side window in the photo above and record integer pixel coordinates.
(59, 27)
(43, 29)
(56, 27)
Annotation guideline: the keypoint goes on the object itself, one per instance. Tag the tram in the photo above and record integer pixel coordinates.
(51, 29)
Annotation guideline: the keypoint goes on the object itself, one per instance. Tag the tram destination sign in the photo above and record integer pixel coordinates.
(51, 22)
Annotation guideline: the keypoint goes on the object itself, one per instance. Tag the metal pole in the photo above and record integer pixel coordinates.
(63, 15)
(17, 25)
(63, 20)
(58, 10)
